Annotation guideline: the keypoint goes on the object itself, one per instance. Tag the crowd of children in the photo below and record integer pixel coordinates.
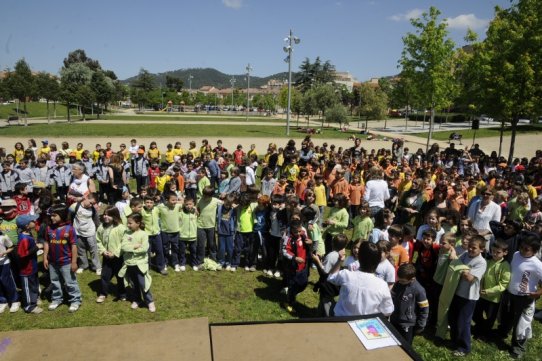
(442, 239)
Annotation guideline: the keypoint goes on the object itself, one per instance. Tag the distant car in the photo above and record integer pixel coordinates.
(484, 118)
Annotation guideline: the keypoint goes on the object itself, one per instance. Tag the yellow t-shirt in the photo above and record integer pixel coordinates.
(194, 152)
(291, 170)
(161, 182)
(178, 151)
(169, 156)
(78, 153)
(19, 154)
(95, 156)
(154, 153)
(320, 195)
(251, 152)
(43, 150)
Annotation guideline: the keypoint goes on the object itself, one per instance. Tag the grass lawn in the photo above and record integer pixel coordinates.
(189, 117)
(484, 132)
(34, 110)
(88, 129)
(222, 297)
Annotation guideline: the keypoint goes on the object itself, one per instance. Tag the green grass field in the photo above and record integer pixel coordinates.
(484, 132)
(35, 110)
(222, 297)
(88, 129)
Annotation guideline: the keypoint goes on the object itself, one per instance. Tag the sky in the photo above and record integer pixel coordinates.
(363, 37)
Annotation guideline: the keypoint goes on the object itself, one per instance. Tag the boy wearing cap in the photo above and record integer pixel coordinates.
(27, 250)
(44, 150)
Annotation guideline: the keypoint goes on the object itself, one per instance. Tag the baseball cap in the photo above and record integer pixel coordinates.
(45, 141)
(9, 203)
(24, 220)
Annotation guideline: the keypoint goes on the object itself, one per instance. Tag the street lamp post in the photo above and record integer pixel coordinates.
(291, 39)
(232, 82)
(248, 69)
(190, 77)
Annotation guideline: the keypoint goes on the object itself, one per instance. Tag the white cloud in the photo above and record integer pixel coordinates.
(234, 4)
(411, 14)
(465, 21)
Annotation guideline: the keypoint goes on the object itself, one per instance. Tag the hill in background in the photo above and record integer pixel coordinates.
(212, 77)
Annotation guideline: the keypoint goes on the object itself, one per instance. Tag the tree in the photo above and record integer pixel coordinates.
(86, 97)
(511, 63)
(103, 88)
(324, 97)
(141, 88)
(20, 84)
(427, 58)
(48, 87)
(374, 103)
(174, 83)
(71, 78)
(79, 56)
(337, 114)
(313, 74)
(404, 94)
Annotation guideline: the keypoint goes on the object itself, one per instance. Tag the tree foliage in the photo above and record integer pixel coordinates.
(511, 63)
(337, 114)
(20, 84)
(374, 102)
(311, 74)
(427, 58)
(80, 57)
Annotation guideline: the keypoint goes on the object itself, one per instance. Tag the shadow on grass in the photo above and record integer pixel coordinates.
(272, 292)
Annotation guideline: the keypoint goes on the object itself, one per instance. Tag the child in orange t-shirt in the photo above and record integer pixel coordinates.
(300, 183)
(340, 185)
(355, 190)
(398, 253)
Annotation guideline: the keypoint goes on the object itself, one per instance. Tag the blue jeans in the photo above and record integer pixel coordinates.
(206, 239)
(170, 241)
(191, 245)
(8, 289)
(64, 273)
(225, 250)
(460, 318)
(156, 247)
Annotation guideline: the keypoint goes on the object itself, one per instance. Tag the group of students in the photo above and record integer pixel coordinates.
(424, 248)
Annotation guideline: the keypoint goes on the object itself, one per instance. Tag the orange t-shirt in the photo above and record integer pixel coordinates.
(399, 255)
(341, 186)
(356, 193)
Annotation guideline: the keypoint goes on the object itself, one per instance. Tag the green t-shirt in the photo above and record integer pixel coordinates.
(202, 183)
(246, 219)
(207, 208)
(169, 218)
(151, 220)
(362, 227)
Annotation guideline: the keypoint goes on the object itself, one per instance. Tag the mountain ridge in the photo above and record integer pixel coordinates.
(211, 77)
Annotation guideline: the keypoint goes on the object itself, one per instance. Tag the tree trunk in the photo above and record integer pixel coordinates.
(48, 114)
(430, 134)
(515, 120)
(69, 116)
(367, 125)
(406, 119)
(501, 135)
(25, 114)
(423, 121)
(54, 109)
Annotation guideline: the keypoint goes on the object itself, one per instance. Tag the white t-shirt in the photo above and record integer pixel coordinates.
(330, 261)
(481, 218)
(351, 263)
(376, 193)
(386, 271)
(361, 294)
(526, 273)
(5, 243)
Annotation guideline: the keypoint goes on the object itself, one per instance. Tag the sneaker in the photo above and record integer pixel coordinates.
(15, 306)
(99, 272)
(79, 271)
(54, 305)
(195, 268)
(270, 273)
(73, 307)
(37, 310)
(220, 268)
(458, 353)
(100, 299)
(182, 268)
(264, 271)
(165, 267)
(134, 306)
(164, 272)
(40, 252)
(252, 269)
(284, 290)
(152, 307)
(277, 274)
(3, 307)
(233, 269)
(246, 268)
(177, 268)
(228, 268)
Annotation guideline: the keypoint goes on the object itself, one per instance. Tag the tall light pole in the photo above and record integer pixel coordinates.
(248, 69)
(291, 40)
(190, 77)
(232, 82)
